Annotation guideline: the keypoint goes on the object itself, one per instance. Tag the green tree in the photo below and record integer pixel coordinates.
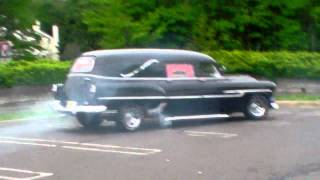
(67, 15)
(16, 17)
(110, 22)
(192, 24)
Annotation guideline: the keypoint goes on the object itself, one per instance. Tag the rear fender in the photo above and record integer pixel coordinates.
(139, 92)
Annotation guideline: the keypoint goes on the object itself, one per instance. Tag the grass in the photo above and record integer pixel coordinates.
(298, 97)
(25, 114)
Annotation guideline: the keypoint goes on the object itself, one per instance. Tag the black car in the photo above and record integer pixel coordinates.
(130, 86)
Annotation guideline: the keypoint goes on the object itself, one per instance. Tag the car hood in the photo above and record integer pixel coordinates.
(246, 82)
(237, 78)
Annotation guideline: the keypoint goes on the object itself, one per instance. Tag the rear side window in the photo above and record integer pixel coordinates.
(83, 64)
(179, 70)
(151, 68)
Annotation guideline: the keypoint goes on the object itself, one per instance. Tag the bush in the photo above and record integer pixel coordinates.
(42, 72)
(271, 65)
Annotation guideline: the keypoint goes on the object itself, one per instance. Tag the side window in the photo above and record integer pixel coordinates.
(206, 69)
(179, 70)
(155, 70)
(150, 68)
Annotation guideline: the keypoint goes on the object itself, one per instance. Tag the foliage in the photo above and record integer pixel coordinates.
(281, 64)
(16, 17)
(198, 25)
(42, 72)
(68, 16)
(271, 64)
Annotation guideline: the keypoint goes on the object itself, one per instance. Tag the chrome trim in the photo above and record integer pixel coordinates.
(206, 116)
(242, 91)
(111, 112)
(256, 109)
(87, 109)
(229, 94)
(54, 87)
(132, 98)
(170, 97)
(93, 88)
(223, 96)
(137, 78)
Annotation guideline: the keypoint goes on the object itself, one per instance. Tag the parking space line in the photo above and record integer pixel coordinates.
(121, 147)
(27, 143)
(104, 150)
(79, 146)
(196, 135)
(37, 175)
(205, 133)
(38, 140)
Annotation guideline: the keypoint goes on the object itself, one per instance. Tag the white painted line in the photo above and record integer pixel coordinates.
(223, 135)
(38, 140)
(38, 175)
(121, 147)
(79, 146)
(7, 178)
(196, 135)
(104, 150)
(27, 143)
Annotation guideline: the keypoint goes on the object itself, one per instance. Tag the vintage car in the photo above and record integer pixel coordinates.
(130, 86)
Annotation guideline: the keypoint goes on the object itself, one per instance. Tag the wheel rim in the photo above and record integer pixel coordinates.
(257, 109)
(132, 121)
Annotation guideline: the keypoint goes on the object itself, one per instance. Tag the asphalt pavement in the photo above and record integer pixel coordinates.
(285, 146)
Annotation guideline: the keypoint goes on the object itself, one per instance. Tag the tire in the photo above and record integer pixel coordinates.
(131, 117)
(89, 120)
(256, 107)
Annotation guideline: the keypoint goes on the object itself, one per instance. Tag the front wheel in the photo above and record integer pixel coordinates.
(256, 107)
(89, 120)
(131, 117)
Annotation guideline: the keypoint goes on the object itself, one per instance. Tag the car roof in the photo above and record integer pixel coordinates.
(161, 54)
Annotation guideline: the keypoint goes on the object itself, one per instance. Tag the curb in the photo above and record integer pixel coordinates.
(299, 103)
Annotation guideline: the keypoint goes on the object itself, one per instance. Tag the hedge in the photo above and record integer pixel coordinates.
(40, 72)
(270, 65)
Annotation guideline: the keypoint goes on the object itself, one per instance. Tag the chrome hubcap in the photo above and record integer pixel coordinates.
(256, 109)
(131, 121)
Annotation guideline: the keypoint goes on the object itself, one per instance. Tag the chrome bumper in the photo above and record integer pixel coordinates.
(78, 108)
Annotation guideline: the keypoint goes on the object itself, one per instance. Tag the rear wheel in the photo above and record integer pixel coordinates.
(131, 117)
(89, 120)
(256, 107)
